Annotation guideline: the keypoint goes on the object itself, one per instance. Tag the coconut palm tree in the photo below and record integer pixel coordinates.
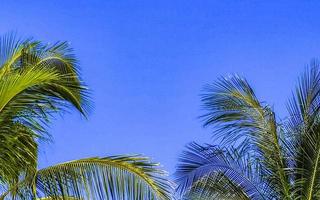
(258, 155)
(37, 81)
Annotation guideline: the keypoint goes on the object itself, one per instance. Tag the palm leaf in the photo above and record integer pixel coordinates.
(18, 156)
(304, 128)
(236, 115)
(216, 186)
(231, 171)
(36, 81)
(116, 177)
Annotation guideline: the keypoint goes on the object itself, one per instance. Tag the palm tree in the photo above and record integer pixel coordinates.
(259, 156)
(37, 81)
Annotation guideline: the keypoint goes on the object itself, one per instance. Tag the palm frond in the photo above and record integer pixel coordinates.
(216, 186)
(36, 81)
(199, 166)
(304, 129)
(18, 155)
(116, 177)
(58, 57)
(236, 115)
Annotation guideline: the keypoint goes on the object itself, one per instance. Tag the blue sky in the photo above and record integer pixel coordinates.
(146, 62)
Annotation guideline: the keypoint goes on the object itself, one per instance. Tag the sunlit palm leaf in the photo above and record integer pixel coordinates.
(36, 81)
(18, 155)
(117, 177)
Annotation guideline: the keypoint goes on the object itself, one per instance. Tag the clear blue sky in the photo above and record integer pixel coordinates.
(146, 62)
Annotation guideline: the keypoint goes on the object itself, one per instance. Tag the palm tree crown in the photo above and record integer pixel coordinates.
(36, 81)
(260, 156)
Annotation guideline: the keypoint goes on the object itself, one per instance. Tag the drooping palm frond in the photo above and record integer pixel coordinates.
(36, 80)
(24, 101)
(201, 166)
(57, 57)
(18, 155)
(116, 177)
(304, 129)
(216, 186)
(236, 115)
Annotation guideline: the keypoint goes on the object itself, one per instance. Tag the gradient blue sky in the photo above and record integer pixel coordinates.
(146, 62)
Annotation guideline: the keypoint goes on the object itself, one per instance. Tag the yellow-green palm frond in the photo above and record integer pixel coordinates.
(18, 155)
(36, 81)
(20, 55)
(116, 177)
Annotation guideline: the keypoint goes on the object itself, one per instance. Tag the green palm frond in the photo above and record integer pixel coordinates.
(236, 114)
(36, 81)
(116, 177)
(216, 186)
(57, 57)
(18, 155)
(201, 166)
(304, 128)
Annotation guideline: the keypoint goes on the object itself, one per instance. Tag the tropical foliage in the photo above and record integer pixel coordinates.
(38, 80)
(259, 156)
